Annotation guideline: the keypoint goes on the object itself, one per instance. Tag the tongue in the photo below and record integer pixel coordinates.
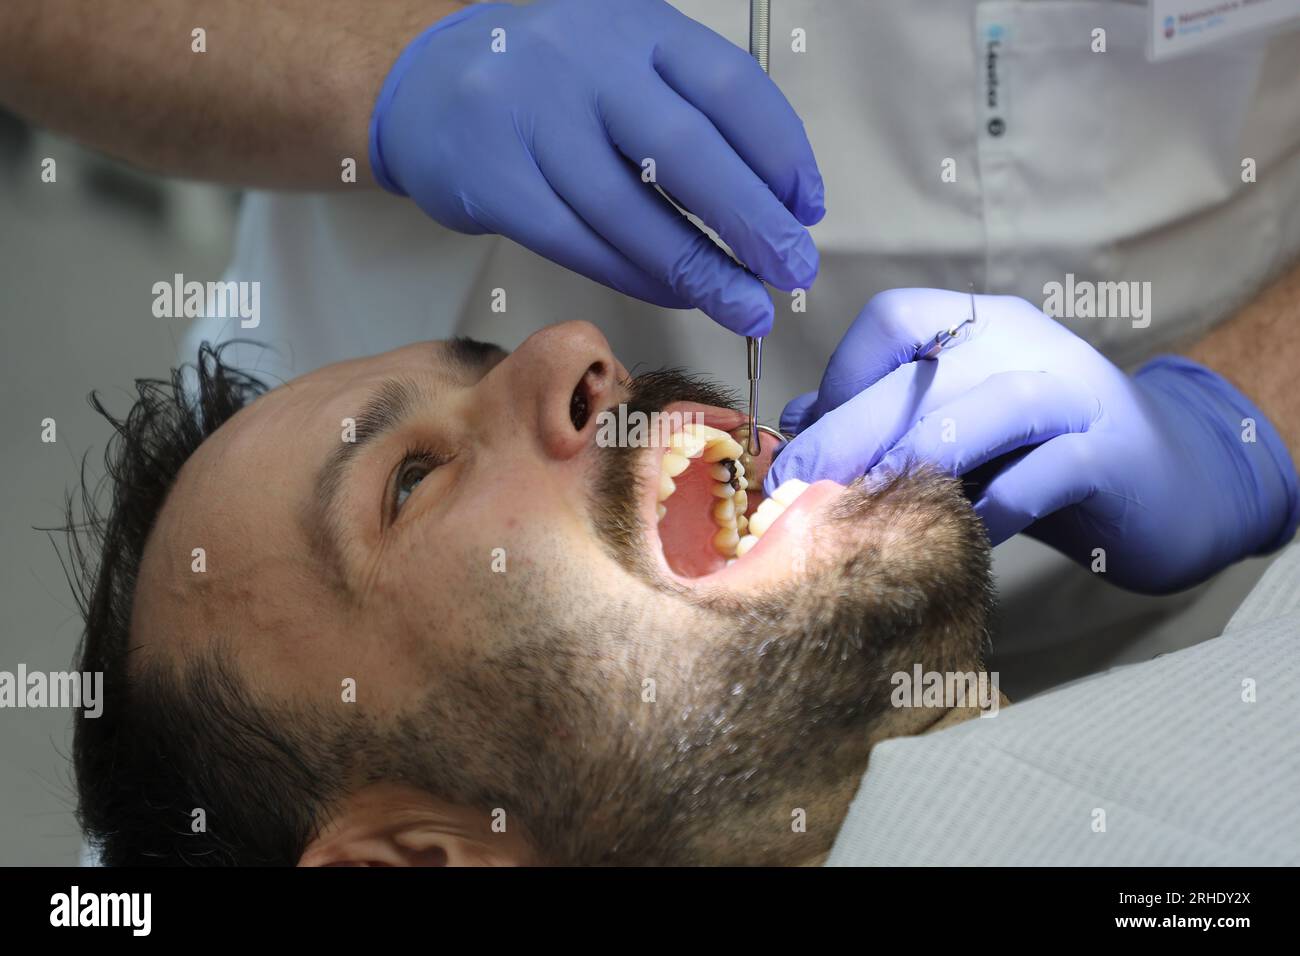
(687, 530)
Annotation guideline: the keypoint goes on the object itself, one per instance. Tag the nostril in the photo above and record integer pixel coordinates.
(587, 394)
(579, 407)
(584, 394)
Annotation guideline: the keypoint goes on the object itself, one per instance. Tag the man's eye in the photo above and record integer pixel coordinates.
(413, 470)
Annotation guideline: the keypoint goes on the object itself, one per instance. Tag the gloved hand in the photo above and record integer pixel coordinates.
(1173, 472)
(544, 142)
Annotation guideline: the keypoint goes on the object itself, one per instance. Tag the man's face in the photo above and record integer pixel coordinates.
(441, 525)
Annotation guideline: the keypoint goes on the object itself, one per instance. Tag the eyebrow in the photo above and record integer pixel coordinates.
(383, 411)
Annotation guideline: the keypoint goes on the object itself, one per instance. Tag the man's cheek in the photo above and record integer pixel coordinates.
(465, 583)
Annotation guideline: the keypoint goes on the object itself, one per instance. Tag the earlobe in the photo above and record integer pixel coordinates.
(376, 851)
(433, 856)
(393, 825)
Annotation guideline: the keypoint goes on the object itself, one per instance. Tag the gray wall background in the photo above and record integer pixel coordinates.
(78, 258)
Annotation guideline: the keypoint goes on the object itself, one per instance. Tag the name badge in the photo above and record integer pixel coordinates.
(1186, 26)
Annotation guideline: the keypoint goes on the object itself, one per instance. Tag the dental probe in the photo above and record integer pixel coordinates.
(943, 337)
(754, 360)
(759, 16)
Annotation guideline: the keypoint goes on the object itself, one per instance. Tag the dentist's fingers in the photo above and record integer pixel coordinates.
(633, 218)
(847, 441)
(1005, 412)
(792, 416)
(542, 221)
(850, 440)
(882, 338)
(1053, 476)
(728, 86)
(698, 167)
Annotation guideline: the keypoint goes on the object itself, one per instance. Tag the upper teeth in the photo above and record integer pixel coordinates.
(767, 512)
(741, 435)
(673, 464)
(728, 473)
(721, 471)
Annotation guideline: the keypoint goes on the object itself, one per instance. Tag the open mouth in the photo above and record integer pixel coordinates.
(704, 507)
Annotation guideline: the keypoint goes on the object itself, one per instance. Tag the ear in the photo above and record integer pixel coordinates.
(392, 825)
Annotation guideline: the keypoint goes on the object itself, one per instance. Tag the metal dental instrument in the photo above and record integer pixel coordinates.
(944, 337)
(754, 358)
(758, 31)
(759, 19)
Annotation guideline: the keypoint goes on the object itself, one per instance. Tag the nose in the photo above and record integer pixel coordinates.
(557, 382)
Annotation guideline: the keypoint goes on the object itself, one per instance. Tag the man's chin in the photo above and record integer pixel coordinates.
(790, 676)
(765, 695)
(884, 576)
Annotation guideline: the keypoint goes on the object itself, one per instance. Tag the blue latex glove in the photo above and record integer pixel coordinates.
(1156, 469)
(544, 142)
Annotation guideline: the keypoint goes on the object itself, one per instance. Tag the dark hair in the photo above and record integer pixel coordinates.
(177, 738)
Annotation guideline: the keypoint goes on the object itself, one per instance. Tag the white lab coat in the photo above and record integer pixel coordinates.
(1108, 167)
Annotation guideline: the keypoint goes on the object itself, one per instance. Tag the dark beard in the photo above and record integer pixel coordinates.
(776, 718)
(801, 690)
